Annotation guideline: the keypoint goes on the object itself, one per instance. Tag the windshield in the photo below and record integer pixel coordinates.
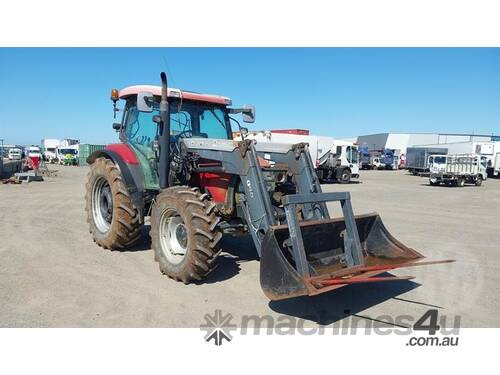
(204, 120)
(66, 151)
(354, 155)
(440, 159)
(187, 119)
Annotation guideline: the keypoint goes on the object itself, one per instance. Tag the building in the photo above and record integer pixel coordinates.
(400, 141)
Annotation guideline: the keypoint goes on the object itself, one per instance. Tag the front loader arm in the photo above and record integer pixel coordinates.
(239, 158)
(242, 159)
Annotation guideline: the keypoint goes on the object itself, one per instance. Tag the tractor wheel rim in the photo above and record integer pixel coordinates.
(173, 237)
(102, 205)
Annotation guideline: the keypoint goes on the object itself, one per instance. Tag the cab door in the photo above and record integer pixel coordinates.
(140, 133)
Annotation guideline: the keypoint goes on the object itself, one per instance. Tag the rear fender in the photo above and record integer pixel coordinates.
(132, 174)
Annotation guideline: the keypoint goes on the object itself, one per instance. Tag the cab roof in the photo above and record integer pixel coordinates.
(174, 93)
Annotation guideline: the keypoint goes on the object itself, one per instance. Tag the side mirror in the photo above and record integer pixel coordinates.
(117, 126)
(248, 113)
(157, 119)
(145, 102)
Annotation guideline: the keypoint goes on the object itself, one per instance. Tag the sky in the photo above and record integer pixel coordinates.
(338, 92)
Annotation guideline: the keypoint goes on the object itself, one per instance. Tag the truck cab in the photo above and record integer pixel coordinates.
(67, 155)
(49, 149)
(364, 158)
(437, 163)
(14, 154)
(390, 159)
(345, 161)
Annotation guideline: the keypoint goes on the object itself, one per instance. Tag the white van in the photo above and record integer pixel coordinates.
(14, 154)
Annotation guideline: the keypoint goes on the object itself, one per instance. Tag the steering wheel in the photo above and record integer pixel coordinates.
(134, 129)
(184, 134)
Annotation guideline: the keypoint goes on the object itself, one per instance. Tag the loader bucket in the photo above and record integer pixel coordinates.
(326, 258)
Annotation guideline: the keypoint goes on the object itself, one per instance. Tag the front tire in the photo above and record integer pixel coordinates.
(114, 221)
(185, 233)
(345, 176)
(479, 180)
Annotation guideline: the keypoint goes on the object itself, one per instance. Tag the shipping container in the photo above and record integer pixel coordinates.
(86, 150)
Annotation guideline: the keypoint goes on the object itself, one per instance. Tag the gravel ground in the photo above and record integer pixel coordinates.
(53, 275)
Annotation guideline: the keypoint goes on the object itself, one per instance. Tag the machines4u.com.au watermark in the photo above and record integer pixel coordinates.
(436, 329)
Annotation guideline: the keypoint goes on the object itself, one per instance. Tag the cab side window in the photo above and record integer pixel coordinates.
(140, 128)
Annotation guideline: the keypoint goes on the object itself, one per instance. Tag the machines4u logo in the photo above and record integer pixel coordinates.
(218, 327)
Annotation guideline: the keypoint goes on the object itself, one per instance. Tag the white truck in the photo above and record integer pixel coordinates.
(456, 170)
(15, 154)
(483, 148)
(67, 155)
(33, 152)
(342, 163)
(334, 160)
(49, 149)
(493, 164)
(418, 157)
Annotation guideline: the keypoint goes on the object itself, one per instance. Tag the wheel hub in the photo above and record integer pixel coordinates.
(173, 237)
(102, 205)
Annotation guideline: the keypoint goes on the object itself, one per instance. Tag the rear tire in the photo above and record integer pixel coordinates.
(114, 221)
(185, 233)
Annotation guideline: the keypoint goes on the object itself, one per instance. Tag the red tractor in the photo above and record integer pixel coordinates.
(178, 164)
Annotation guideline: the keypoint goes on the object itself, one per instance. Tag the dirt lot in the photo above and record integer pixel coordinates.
(53, 275)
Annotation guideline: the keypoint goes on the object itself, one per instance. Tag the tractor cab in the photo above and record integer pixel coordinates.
(192, 115)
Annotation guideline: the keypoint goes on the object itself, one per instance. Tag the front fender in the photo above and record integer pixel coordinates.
(132, 174)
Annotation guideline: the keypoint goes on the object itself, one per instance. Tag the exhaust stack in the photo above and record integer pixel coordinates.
(164, 138)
